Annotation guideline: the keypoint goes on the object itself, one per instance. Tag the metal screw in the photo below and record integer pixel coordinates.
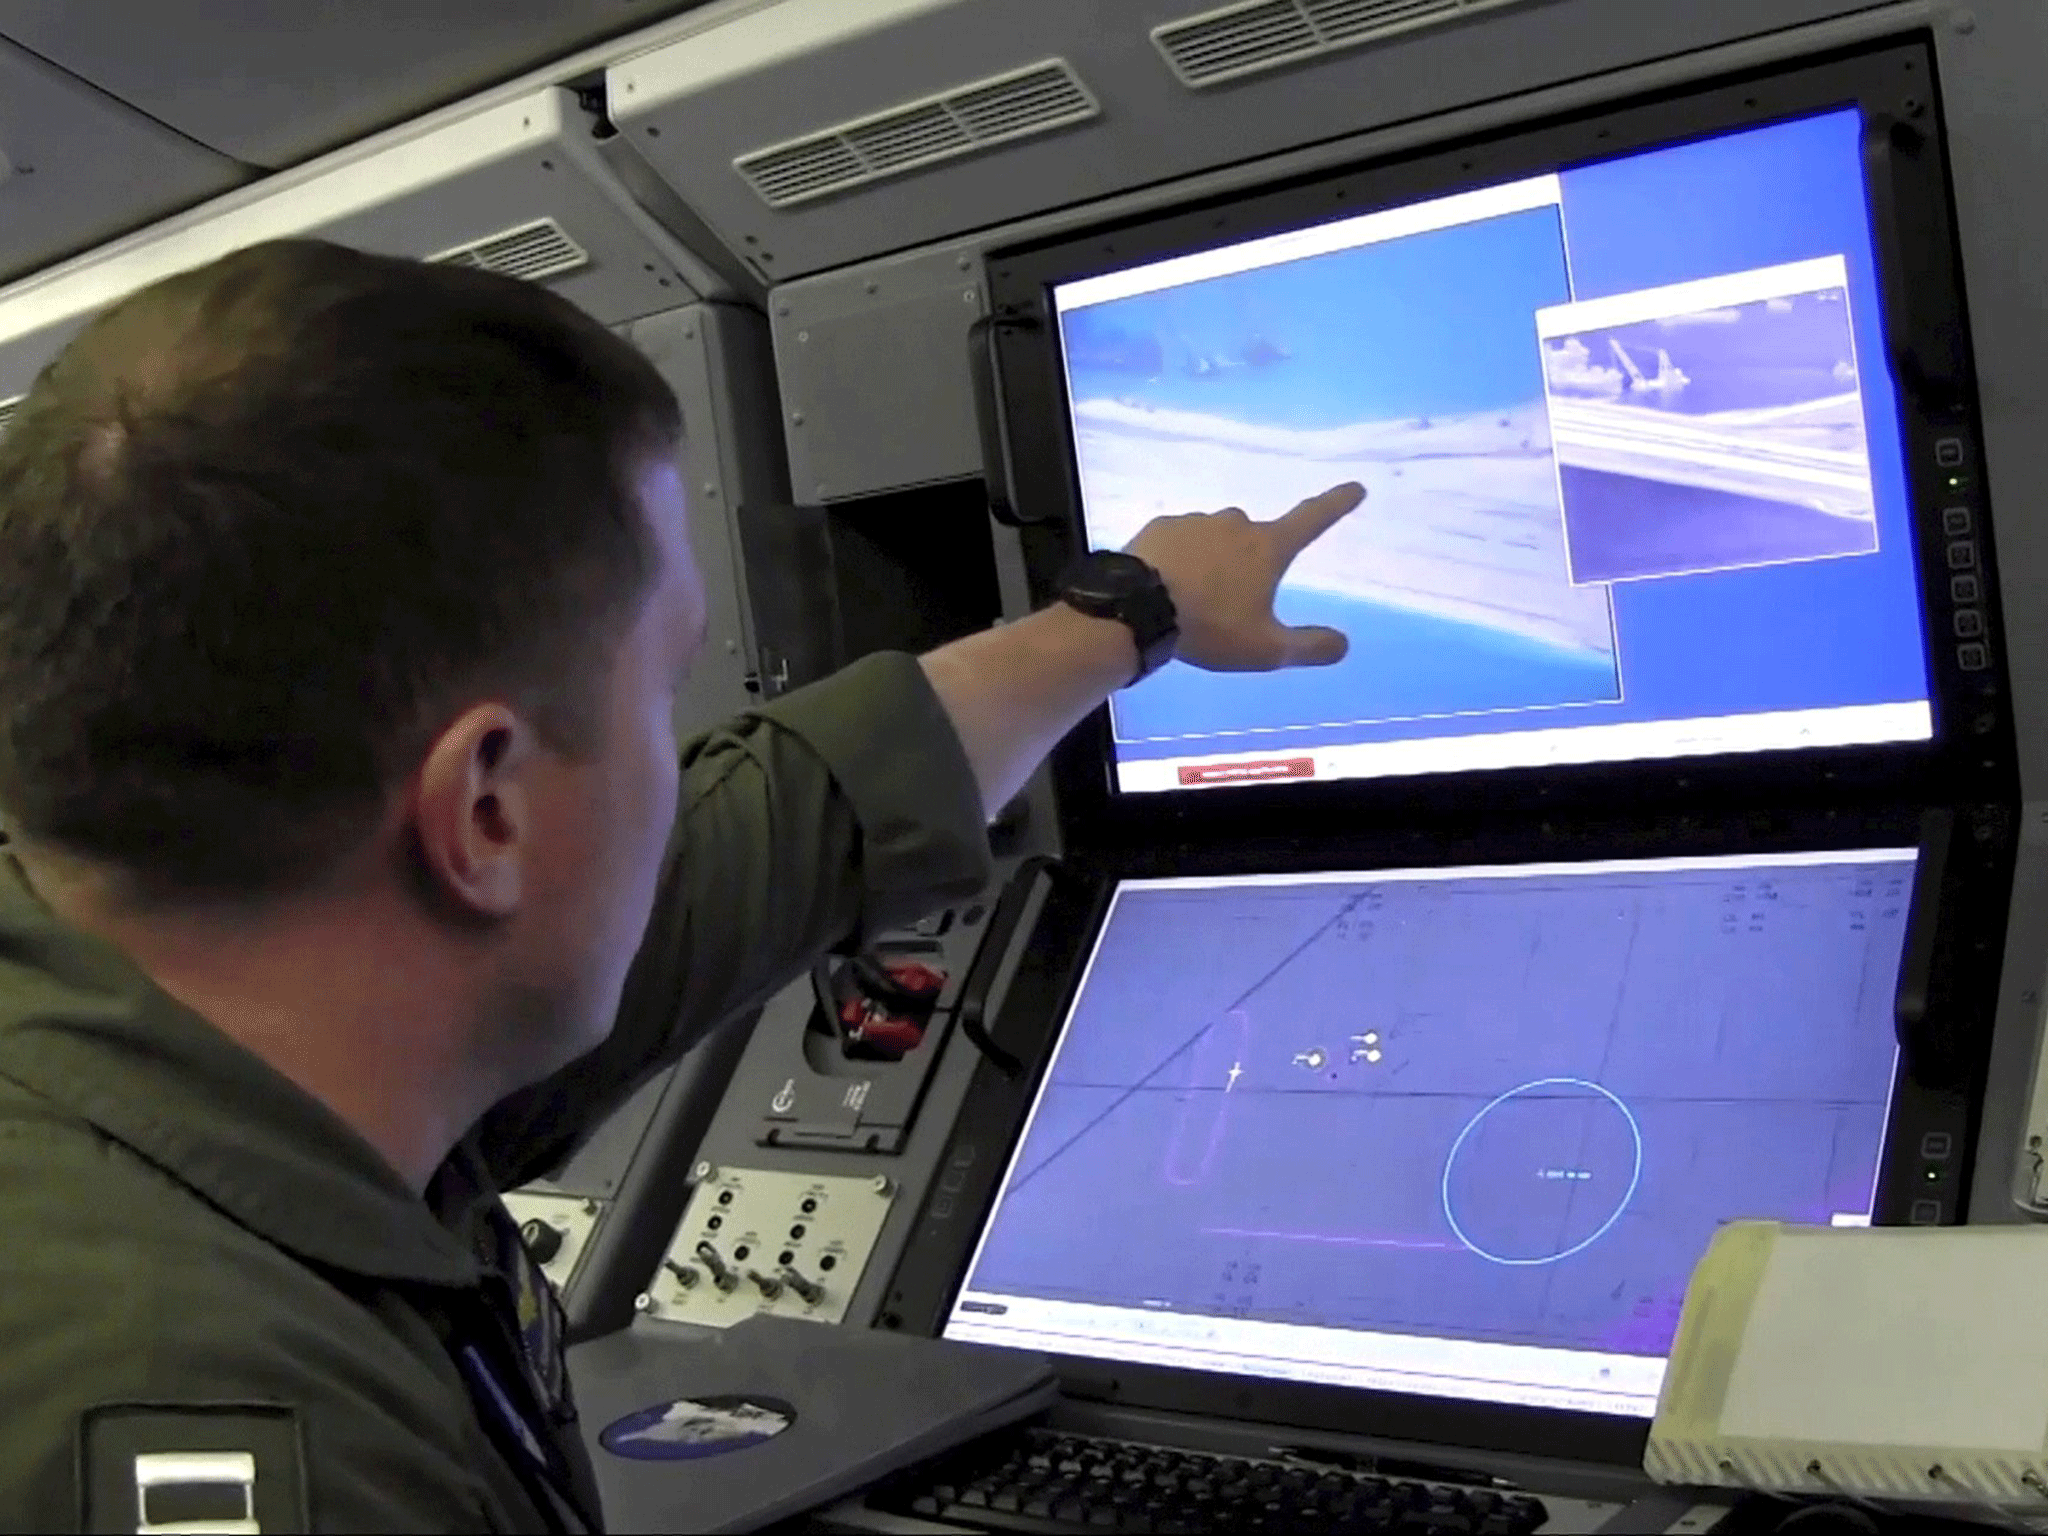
(880, 1184)
(968, 296)
(966, 262)
(590, 1207)
(796, 418)
(1964, 22)
(782, 309)
(703, 1170)
(803, 335)
(643, 1303)
(732, 647)
(819, 490)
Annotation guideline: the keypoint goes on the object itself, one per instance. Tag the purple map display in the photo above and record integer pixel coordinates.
(1509, 1107)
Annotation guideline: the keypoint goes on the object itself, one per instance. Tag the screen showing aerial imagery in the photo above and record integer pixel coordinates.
(1460, 1132)
(1633, 473)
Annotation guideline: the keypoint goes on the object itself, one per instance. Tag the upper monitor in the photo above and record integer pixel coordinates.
(1631, 445)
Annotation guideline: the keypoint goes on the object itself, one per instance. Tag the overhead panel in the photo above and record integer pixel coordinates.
(78, 167)
(234, 75)
(971, 118)
(1234, 41)
(757, 119)
(534, 252)
(516, 187)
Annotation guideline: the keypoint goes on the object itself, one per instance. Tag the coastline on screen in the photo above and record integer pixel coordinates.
(1628, 434)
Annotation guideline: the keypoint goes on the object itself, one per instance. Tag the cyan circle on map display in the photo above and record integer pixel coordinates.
(1464, 1136)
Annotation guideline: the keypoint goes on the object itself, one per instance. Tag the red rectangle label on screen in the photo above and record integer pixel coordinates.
(1259, 771)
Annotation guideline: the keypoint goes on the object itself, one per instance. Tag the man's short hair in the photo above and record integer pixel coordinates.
(267, 525)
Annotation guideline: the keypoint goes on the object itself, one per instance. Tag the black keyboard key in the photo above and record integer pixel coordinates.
(925, 1504)
(1007, 1499)
(989, 1519)
(974, 1498)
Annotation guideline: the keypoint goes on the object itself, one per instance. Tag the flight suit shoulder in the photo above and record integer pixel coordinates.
(167, 1363)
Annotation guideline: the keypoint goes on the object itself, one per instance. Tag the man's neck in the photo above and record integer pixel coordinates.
(335, 994)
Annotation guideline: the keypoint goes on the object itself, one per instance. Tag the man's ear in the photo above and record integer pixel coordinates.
(472, 811)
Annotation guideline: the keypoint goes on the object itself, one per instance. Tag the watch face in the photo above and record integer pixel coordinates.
(1111, 574)
(1112, 585)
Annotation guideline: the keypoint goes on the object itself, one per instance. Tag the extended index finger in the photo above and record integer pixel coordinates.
(1317, 516)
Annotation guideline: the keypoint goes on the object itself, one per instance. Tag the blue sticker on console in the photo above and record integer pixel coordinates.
(691, 1428)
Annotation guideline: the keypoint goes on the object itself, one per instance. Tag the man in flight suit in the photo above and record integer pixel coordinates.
(354, 872)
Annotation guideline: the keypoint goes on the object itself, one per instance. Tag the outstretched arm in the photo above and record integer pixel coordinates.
(1014, 691)
(861, 802)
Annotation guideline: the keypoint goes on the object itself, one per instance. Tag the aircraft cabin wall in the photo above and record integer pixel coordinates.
(1498, 69)
(790, 207)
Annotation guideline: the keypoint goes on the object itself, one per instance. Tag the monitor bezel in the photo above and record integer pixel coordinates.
(1963, 907)
(1970, 751)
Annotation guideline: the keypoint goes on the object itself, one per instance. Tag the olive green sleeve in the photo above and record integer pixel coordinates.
(838, 811)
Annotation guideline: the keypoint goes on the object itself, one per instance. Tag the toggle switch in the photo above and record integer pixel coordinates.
(811, 1292)
(721, 1273)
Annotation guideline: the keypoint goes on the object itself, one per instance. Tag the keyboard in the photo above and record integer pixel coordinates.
(1042, 1480)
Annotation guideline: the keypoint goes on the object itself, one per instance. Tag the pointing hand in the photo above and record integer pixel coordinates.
(1223, 570)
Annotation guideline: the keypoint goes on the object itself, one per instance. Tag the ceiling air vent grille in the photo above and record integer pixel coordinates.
(7, 410)
(1238, 40)
(533, 251)
(965, 120)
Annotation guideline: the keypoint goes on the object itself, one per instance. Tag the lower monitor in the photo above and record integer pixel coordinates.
(1461, 1132)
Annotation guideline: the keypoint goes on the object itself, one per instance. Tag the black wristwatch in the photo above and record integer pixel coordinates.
(1111, 585)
